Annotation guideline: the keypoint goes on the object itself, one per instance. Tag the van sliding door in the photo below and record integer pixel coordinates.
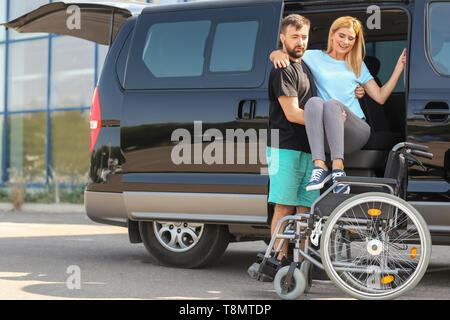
(195, 112)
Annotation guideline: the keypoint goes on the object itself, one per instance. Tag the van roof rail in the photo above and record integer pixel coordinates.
(340, 2)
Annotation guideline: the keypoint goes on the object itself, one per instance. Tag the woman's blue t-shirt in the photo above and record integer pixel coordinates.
(334, 80)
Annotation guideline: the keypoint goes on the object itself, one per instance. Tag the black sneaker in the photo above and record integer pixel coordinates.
(268, 271)
(254, 273)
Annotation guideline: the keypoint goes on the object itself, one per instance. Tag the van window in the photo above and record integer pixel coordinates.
(387, 52)
(439, 36)
(234, 46)
(202, 49)
(176, 49)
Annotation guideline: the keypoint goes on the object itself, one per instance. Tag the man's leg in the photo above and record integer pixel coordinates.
(280, 212)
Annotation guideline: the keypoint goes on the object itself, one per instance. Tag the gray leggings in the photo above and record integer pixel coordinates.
(325, 117)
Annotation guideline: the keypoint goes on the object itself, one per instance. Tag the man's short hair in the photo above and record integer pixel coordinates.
(295, 20)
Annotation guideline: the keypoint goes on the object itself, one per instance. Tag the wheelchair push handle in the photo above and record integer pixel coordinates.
(409, 145)
(422, 154)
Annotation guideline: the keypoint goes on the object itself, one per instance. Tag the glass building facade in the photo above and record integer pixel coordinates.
(46, 87)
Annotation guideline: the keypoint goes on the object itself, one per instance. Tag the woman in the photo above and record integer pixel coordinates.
(336, 111)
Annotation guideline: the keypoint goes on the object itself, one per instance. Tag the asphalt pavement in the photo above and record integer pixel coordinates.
(59, 253)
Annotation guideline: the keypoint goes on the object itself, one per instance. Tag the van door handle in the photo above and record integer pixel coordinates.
(434, 115)
(246, 110)
(435, 111)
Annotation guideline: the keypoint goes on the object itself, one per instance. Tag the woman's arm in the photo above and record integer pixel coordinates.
(380, 95)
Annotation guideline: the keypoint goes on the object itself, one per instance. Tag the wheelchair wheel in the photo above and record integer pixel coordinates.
(375, 246)
(306, 269)
(295, 288)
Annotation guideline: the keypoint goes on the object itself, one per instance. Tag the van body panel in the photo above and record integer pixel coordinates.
(428, 114)
(157, 122)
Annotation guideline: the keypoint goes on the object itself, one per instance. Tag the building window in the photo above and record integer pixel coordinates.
(27, 75)
(70, 146)
(439, 36)
(19, 8)
(27, 147)
(72, 72)
(2, 19)
(2, 77)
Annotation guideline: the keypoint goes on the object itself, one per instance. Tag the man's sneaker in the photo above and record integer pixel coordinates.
(268, 271)
(340, 188)
(319, 274)
(318, 179)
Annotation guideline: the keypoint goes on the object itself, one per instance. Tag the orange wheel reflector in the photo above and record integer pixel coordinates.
(374, 212)
(413, 252)
(387, 279)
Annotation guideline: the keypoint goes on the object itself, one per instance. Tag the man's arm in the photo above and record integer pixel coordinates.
(292, 110)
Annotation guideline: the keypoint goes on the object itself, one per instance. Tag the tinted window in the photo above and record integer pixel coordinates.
(122, 60)
(199, 49)
(439, 36)
(234, 46)
(176, 49)
(387, 53)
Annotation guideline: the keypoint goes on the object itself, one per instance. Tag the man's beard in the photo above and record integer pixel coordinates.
(295, 54)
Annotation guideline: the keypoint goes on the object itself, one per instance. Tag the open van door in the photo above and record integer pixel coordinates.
(94, 21)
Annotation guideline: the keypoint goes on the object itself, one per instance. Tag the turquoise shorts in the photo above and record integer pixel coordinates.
(289, 174)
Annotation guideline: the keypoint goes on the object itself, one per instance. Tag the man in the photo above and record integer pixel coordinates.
(289, 90)
(289, 159)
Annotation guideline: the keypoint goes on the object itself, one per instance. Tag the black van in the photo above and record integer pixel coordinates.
(180, 113)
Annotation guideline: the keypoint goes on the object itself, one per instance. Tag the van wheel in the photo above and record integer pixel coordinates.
(184, 245)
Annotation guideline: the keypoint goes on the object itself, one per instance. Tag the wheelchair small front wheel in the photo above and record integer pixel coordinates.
(375, 246)
(292, 290)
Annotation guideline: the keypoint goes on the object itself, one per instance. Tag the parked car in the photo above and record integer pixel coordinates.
(184, 88)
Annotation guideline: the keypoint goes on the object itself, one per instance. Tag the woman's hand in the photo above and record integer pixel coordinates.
(359, 92)
(401, 63)
(279, 59)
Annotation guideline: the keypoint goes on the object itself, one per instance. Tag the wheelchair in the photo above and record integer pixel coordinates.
(371, 243)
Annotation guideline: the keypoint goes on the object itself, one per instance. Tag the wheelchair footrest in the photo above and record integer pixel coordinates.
(264, 269)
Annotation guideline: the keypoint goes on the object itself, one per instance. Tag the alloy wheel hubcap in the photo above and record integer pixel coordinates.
(178, 236)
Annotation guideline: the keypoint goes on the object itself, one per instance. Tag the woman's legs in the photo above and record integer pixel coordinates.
(343, 137)
(315, 130)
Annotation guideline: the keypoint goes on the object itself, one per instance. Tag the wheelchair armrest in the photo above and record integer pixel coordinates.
(389, 183)
(367, 180)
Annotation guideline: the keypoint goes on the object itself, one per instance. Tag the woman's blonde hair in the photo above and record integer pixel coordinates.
(355, 57)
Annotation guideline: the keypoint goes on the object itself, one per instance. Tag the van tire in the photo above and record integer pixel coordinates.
(210, 246)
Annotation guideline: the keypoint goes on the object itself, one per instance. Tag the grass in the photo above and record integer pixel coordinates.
(74, 194)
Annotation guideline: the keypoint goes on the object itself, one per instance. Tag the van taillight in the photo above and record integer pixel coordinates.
(96, 119)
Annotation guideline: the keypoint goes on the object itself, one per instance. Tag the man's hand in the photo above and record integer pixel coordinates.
(359, 92)
(344, 115)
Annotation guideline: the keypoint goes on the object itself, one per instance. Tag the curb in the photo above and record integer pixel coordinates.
(44, 207)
